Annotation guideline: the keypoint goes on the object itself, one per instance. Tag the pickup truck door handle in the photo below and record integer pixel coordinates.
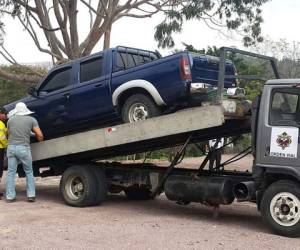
(98, 85)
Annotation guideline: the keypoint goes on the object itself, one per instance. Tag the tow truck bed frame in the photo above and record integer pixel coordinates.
(201, 123)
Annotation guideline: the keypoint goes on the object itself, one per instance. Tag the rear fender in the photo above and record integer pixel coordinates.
(138, 83)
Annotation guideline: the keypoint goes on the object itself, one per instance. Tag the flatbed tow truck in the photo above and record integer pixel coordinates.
(273, 184)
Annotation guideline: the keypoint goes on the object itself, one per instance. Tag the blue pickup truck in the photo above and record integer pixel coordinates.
(118, 84)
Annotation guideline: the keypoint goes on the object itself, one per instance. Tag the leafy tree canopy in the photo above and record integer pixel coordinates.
(57, 19)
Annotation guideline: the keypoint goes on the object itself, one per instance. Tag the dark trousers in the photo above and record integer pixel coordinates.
(215, 157)
(2, 152)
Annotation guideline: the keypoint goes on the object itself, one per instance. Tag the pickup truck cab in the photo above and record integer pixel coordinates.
(118, 84)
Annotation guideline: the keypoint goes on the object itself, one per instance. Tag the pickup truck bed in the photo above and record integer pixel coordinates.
(160, 132)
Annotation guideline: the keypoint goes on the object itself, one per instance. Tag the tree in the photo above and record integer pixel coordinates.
(287, 53)
(57, 20)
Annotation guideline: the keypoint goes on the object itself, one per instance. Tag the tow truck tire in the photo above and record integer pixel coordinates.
(102, 185)
(79, 186)
(139, 107)
(138, 193)
(280, 208)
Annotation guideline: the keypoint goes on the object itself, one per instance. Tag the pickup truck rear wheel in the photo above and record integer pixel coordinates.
(139, 107)
(280, 208)
(79, 186)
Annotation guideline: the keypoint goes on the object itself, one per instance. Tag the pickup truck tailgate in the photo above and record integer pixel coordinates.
(205, 69)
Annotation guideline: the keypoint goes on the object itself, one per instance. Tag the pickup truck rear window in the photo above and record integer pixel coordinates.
(91, 69)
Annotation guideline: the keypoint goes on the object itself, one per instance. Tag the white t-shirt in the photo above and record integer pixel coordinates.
(213, 142)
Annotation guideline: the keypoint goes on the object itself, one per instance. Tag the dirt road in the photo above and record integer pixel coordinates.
(123, 224)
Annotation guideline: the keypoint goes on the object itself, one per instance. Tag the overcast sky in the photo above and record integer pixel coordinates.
(281, 20)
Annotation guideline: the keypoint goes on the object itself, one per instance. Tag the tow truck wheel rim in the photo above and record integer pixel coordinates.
(285, 209)
(138, 112)
(75, 187)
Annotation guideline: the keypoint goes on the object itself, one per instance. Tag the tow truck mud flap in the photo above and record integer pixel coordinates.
(208, 190)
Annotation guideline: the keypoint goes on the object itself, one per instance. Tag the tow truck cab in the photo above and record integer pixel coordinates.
(276, 128)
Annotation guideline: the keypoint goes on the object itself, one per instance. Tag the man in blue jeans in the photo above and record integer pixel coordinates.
(20, 127)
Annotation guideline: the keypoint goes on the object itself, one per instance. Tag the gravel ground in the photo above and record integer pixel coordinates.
(123, 224)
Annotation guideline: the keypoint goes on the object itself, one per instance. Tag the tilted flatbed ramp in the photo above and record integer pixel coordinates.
(159, 132)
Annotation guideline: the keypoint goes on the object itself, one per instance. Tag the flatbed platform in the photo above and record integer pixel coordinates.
(156, 133)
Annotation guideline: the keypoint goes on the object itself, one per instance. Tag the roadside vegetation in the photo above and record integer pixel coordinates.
(14, 90)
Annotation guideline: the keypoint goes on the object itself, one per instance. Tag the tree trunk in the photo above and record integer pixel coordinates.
(106, 43)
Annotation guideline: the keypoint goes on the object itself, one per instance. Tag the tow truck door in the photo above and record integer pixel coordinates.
(278, 126)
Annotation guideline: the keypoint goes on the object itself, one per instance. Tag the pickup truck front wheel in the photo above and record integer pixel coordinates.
(139, 107)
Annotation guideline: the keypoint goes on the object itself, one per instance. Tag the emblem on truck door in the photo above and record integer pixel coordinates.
(284, 140)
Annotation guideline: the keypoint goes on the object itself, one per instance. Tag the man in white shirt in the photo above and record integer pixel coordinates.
(216, 152)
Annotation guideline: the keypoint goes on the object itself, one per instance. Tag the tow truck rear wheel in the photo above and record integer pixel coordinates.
(139, 107)
(79, 186)
(138, 193)
(280, 208)
(101, 185)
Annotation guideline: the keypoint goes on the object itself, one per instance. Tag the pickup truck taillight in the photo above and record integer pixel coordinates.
(185, 69)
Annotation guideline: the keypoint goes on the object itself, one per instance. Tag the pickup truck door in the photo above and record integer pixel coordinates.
(278, 136)
(91, 97)
(51, 105)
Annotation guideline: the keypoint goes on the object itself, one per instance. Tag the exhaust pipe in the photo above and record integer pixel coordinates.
(245, 191)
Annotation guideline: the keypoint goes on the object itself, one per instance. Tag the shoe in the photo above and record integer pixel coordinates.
(31, 199)
(10, 200)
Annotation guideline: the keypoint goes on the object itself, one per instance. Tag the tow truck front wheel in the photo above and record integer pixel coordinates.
(280, 208)
(139, 107)
(79, 186)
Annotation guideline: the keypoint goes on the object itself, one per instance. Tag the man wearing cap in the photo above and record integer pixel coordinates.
(3, 139)
(20, 126)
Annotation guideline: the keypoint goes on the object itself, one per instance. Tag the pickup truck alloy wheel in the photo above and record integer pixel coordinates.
(280, 208)
(139, 107)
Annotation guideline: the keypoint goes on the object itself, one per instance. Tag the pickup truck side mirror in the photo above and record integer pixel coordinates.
(32, 91)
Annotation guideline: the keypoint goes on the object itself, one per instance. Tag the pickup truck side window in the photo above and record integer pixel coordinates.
(125, 60)
(58, 79)
(284, 107)
(91, 69)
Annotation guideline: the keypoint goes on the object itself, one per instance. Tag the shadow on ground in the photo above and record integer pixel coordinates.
(237, 214)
